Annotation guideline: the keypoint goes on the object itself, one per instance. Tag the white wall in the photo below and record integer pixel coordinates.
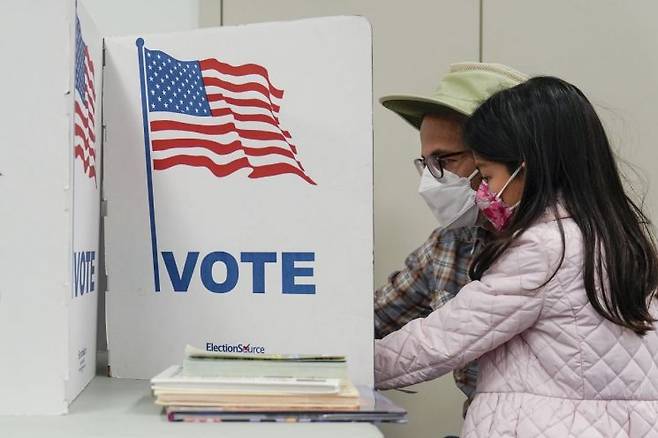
(128, 17)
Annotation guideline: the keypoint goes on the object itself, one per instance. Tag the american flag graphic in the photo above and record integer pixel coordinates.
(218, 116)
(84, 109)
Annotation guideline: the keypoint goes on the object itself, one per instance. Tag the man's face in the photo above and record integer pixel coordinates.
(442, 135)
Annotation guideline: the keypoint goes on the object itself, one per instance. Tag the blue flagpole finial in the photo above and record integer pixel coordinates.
(139, 42)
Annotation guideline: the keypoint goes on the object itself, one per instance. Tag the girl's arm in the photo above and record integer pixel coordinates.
(484, 314)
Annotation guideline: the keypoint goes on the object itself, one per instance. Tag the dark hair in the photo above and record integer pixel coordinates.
(549, 125)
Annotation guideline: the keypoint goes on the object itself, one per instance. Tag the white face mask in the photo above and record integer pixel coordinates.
(451, 199)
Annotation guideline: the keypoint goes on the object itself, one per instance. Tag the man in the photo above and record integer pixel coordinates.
(438, 269)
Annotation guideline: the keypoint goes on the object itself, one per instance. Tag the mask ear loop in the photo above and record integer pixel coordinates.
(472, 175)
(511, 178)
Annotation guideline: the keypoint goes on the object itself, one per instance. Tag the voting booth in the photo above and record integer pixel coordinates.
(238, 184)
(86, 174)
(51, 177)
(236, 171)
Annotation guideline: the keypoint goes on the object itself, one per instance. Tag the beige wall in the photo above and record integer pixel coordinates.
(609, 48)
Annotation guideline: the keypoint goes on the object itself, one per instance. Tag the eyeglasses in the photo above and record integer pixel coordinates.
(435, 163)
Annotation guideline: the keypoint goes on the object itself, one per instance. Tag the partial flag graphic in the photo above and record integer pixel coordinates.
(84, 106)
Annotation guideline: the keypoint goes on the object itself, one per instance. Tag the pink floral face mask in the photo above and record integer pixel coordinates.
(492, 206)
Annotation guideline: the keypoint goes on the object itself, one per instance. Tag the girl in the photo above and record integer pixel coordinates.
(561, 310)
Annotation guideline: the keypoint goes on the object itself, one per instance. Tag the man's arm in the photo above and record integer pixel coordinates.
(410, 292)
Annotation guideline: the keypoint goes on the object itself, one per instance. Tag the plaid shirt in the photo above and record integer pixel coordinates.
(433, 274)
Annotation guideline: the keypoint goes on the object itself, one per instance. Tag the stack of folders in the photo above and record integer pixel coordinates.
(213, 386)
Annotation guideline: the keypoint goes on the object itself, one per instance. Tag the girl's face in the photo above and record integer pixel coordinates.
(496, 175)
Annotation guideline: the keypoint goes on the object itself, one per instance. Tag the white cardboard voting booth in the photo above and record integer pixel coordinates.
(50, 208)
(238, 181)
(86, 180)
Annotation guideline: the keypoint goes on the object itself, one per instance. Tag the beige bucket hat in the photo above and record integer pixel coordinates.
(463, 89)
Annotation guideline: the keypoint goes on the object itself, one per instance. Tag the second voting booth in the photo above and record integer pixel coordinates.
(50, 203)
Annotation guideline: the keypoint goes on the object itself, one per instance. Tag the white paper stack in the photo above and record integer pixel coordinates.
(256, 382)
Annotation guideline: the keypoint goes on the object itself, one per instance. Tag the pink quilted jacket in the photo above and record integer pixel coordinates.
(550, 365)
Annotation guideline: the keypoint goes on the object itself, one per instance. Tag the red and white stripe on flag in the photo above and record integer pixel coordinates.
(84, 108)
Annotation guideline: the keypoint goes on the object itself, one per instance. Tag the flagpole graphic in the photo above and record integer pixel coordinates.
(149, 164)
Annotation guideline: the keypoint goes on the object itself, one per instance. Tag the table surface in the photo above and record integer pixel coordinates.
(120, 408)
